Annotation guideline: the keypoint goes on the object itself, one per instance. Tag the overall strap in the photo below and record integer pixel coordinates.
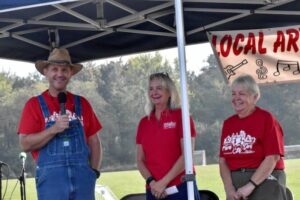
(77, 105)
(43, 105)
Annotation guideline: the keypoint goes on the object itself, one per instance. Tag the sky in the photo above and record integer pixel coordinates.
(196, 56)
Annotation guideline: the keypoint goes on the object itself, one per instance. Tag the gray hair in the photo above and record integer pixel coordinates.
(167, 83)
(249, 83)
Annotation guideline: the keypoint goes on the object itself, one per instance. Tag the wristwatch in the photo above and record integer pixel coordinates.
(149, 180)
(97, 172)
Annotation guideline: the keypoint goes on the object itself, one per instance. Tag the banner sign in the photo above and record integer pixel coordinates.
(269, 55)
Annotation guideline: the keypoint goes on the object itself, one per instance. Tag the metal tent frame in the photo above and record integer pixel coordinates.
(94, 29)
(117, 25)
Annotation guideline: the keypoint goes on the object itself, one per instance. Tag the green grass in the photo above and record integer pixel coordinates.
(127, 182)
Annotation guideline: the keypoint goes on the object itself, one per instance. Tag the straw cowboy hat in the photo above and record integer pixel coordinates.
(58, 56)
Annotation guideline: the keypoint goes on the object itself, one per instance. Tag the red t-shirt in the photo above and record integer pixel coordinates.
(245, 142)
(160, 141)
(32, 120)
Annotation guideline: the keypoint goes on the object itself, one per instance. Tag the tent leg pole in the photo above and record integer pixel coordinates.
(185, 104)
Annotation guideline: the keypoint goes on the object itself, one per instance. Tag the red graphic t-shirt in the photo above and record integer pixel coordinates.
(32, 120)
(161, 142)
(245, 142)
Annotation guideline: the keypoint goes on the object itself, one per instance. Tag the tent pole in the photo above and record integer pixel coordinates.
(185, 104)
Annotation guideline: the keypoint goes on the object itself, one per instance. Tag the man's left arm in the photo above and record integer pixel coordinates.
(95, 147)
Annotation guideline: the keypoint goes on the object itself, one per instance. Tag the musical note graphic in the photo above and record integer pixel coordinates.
(286, 66)
(229, 69)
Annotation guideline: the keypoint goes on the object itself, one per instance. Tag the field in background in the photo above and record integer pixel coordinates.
(127, 182)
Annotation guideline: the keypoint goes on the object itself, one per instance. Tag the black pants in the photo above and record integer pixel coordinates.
(273, 188)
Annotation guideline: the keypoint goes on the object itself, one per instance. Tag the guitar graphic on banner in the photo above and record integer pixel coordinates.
(229, 69)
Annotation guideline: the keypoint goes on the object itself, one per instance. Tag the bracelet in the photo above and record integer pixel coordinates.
(253, 183)
(149, 180)
(97, 172)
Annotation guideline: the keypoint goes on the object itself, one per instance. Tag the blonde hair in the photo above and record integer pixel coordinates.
(249, 83)
(167, 83)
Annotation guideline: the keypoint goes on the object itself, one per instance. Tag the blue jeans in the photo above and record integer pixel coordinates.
(180, 195)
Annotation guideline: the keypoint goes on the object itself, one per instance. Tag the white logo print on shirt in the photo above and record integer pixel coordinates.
(72, 116)
(238, 143)
(169, 125)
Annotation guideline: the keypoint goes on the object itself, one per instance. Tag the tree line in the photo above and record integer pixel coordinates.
(117, 92)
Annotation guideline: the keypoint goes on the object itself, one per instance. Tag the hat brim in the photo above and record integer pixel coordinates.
(41, 64)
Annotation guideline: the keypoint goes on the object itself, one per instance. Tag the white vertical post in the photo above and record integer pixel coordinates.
(184, 97)
(203, 157)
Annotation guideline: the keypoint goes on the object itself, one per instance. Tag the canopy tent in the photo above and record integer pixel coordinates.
(94, 29)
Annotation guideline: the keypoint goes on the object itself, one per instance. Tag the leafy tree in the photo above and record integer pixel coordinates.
(117, 92)
(5, 87)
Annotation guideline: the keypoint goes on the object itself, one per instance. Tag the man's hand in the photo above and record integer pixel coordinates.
(61, 123)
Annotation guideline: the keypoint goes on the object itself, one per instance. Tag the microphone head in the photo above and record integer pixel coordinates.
(62, 97)
(22, 155)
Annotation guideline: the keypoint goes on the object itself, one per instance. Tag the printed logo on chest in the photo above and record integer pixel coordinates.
(238, 143)
(169, 125)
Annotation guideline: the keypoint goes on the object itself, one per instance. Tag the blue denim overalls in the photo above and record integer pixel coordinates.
(63, 171)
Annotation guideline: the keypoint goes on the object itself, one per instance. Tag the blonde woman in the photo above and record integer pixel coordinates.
(159, 142)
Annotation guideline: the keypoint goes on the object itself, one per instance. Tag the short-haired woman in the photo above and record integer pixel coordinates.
(252, 149)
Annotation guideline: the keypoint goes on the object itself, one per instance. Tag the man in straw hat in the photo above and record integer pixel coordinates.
(60, 130)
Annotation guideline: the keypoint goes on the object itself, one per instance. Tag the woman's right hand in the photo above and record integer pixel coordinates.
(245, 191)
(158, 189)
(232, 195)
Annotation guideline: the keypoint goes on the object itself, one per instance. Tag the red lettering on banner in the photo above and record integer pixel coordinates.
(236, 49)
(261, 49)
(253, 45)
(250, 46)
(293, 38)
(225, 45)
(214, 42)
(279, 43)
(291, 45)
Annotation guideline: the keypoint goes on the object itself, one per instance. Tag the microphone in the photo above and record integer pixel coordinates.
(62, 99)
(2, 163)
(22, 157)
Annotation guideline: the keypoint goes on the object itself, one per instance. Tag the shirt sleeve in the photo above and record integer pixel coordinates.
(192, 125)
(221, 140)
(273, 138)
(138, 138)
(193, 128)
(90, 121)
(31, 121)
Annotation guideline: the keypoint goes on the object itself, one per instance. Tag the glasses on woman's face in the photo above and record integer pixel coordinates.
(159, 75)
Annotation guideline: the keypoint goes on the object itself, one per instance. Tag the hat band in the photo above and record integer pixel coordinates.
(61, 62)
